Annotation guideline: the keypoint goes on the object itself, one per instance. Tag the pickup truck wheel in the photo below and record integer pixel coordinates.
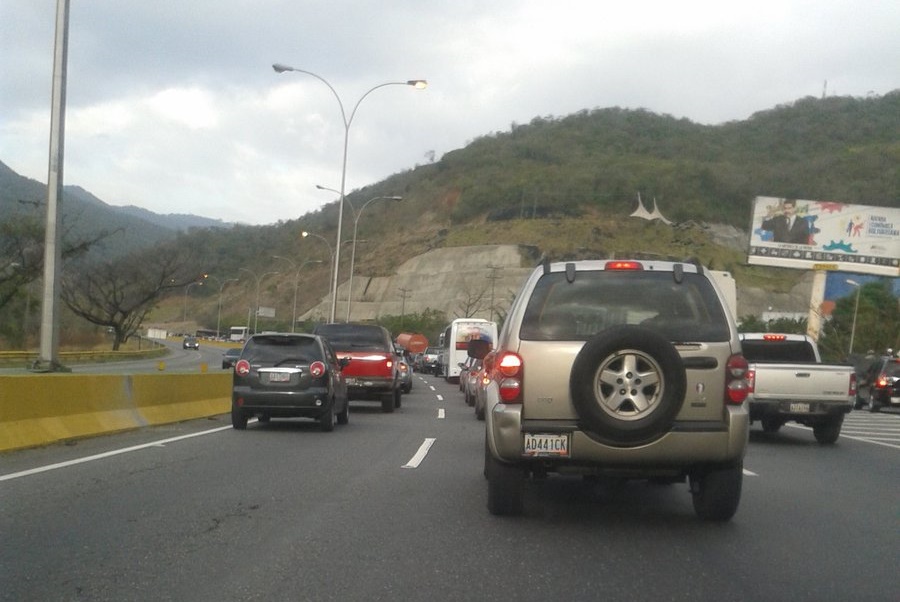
(397, 398)
(716, 493)
(828, 432)
(387, 403)
(771, 425)
(238, 418)
(506, 486)
(628, 384)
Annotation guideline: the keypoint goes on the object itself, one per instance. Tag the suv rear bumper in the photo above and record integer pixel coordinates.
(685, 444)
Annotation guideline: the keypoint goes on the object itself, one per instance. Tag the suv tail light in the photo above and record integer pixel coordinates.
(317, 369)
(738, 380)
(509, 374)
(242, 368)
(882, 381)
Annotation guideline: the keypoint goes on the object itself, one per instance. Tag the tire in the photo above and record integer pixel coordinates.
(470, 400)
(627, 384)
(771, 425)
(479, 411)
(506, 486)
(264, 418)
(238, 418)
(343, 417)
(397, 398)
(716, 493)
(828, 432)
(387, 403)
(326, 420)
(873, 406)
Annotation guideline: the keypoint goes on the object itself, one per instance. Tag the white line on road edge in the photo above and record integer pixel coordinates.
(441, 413)
(420, 455)
(116, 452)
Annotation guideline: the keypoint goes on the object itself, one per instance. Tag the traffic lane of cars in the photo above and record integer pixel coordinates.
(363, 527)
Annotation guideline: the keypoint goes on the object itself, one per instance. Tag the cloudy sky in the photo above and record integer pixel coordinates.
(173, 105)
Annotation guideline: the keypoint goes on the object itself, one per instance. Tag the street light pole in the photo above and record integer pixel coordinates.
(258, 281)
(419, 84)
(855, 284)
(356, 216)
(186, 289)
(306, 234)
(296, 283)
(219, 307)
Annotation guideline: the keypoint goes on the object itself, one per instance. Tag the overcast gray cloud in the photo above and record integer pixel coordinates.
(173, 106)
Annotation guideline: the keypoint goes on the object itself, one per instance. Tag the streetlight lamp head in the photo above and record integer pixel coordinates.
(418, 84)
(304, 234)
(279, 68)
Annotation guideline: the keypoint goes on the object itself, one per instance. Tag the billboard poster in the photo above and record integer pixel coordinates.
(825, 235)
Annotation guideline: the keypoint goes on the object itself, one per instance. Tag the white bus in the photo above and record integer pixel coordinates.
(239, 333)
(455, 342)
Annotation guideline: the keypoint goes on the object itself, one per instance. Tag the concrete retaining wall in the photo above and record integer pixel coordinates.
(38, 409)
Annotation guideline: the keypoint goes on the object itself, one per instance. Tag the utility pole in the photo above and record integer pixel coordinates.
(493, 276)
(404, 293)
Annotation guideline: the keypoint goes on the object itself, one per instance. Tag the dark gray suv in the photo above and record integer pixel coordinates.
(620, 369)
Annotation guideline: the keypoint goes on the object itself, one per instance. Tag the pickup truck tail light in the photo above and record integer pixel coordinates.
(509, 373)
(737, 380)
(853, 385)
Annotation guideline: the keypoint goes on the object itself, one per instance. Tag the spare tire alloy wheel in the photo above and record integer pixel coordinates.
(627, 384)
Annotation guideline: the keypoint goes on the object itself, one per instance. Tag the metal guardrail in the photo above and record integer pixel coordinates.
(27, 357)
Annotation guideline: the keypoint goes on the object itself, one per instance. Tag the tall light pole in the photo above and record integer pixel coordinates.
(331, 254)
(296, 282)
(419, 84)
(258, 281)
(855, 284)
(356, 216)
(48, 359)
(186, 289)
(219, 313)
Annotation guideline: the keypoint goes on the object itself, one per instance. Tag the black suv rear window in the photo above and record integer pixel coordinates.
(596, 300)
(346, 337)
(273, 349)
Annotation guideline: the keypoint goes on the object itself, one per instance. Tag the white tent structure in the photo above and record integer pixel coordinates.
(642, 212)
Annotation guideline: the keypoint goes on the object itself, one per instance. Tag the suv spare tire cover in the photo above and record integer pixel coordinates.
(627, 385)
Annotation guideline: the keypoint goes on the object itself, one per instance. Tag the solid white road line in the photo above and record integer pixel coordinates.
(115, 452)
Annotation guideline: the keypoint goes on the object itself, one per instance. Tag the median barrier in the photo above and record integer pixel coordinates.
(37, 409)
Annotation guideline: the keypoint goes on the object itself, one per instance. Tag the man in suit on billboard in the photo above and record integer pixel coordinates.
(786, 226)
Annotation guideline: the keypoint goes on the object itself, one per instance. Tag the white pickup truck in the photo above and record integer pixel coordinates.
(788, 381)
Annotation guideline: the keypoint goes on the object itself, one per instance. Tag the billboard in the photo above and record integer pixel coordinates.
(825, 235)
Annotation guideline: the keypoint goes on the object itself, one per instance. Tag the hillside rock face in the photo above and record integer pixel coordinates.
(481, 281)
(461, 281)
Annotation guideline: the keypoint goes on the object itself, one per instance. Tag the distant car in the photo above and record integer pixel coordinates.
(230, 357)
(190, 342)
(468, 374)
(431, 361)
(405, 376)
(289, 375)
(882, 383)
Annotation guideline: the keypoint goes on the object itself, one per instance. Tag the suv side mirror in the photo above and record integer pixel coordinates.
(343, 362)
(478, 348)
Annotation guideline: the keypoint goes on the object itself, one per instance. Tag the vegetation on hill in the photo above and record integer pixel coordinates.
(564, 185)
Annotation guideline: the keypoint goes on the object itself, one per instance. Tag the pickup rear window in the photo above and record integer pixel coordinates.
(793, 352)
(559, 310)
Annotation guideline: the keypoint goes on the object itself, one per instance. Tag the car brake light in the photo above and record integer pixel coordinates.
(624, 265)
(737, 386)
(510, 372)
(774, 337)
(242, 368)
(882, 381)
(751, 381)
(317, 369)
(852, 391)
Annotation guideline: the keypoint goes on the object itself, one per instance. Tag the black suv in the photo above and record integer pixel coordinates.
(882, 384)
(289, 375)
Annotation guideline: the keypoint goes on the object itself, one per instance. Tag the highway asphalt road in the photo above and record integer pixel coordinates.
(393, 507)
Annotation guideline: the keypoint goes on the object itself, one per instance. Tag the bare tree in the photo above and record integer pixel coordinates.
(118, 294)
(471, 301)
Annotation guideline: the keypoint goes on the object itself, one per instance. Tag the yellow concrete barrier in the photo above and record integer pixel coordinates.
(37, 409)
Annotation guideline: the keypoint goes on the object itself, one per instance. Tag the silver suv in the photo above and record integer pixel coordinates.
(621, 369)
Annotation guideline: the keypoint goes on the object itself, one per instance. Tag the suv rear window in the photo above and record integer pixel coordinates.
(267, 349)
(596, 300)
(346, 337)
